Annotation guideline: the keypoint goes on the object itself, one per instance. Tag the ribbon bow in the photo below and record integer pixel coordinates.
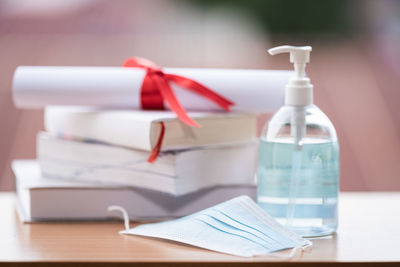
(155, 89)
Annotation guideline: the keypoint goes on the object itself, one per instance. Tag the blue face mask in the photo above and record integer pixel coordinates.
(238, 227)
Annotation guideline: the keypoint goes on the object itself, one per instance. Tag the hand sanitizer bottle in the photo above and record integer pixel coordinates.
(298, 160)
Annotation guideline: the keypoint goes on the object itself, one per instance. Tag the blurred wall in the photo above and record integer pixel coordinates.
(355, 74)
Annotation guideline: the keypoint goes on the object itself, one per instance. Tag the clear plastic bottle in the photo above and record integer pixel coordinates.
(298, 165)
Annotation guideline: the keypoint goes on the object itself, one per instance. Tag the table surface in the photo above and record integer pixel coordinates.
(369, 231)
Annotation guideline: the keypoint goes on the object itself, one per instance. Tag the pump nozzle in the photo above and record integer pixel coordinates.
(299, 89)
(299, 55)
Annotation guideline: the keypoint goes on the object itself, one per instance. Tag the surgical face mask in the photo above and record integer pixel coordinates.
(237, 227)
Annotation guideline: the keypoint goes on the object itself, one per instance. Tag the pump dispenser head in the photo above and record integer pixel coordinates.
(299, 90)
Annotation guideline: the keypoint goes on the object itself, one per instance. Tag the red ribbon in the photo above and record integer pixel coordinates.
(157, 148)
(155, 89)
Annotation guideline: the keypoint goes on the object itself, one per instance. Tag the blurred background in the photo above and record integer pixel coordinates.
(355, 63)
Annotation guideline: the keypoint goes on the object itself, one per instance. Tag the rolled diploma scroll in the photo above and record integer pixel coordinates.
(35, 87)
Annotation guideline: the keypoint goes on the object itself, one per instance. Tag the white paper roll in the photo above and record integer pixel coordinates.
(118, 87)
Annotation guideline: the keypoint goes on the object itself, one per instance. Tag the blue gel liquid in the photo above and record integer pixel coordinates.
(308, 204)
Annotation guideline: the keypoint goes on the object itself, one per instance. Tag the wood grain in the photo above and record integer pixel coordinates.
(368, 233)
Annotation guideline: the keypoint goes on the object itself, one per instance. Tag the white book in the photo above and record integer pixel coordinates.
(44, 199)
(177, 173)
(141, 129)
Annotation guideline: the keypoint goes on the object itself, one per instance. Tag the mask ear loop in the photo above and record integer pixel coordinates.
(295, 253)
(124, 214)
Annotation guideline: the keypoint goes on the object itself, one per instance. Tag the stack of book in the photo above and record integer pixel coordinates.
(89, 159)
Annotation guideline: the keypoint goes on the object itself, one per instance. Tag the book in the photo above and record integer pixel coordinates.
(141, 130)
(45, 199)
(174, 172)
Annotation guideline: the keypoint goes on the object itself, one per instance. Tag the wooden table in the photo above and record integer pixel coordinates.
(369, 232)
